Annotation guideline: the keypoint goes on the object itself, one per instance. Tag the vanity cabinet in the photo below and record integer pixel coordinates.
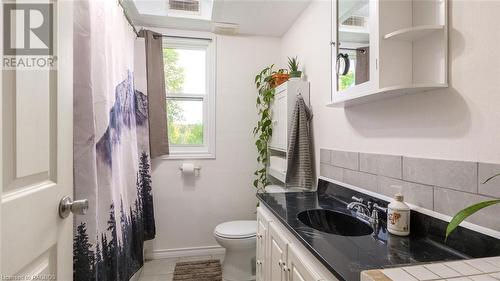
(386, 48)
(277, 254)
(285, 98)
(297, 268)
(262, 230)
(281, 257)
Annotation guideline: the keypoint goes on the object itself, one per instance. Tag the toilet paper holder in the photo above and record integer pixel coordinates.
(196, 168)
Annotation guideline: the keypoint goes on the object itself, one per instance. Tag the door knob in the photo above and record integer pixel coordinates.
(77, 207)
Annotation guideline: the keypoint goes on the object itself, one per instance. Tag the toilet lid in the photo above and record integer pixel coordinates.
(236, 229)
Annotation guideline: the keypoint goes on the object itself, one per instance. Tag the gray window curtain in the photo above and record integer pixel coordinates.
(157, 101)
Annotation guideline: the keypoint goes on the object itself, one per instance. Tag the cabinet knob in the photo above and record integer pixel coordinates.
(259, 236)
(259, 262)
(280, 263)
(286, 269)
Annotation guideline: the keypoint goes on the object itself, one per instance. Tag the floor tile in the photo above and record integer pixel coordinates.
(162, 277)
(194, 258)
(159, 267)
(218, 257)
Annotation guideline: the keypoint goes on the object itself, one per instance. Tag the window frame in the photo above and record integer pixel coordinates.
(207, 150)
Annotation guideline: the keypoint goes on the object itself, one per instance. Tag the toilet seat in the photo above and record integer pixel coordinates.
(236, 229)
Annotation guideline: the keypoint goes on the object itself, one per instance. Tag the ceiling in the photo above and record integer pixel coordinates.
(254, 17)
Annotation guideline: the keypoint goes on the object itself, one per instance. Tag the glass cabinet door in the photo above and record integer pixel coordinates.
(352, 65)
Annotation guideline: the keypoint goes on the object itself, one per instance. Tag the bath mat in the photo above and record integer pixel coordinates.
(205, 270)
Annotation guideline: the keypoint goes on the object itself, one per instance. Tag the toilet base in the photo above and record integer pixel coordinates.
(239, 265)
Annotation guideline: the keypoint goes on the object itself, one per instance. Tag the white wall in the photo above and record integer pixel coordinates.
(188, 210)
(459, 123)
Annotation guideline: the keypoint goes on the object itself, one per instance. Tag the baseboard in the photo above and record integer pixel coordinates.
(184, 252)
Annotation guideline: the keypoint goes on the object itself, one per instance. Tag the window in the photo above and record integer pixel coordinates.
(190, 89)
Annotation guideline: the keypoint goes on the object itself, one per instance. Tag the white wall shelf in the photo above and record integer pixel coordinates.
(348, 100)
(279, 175)
(413, 33)
(280, 149)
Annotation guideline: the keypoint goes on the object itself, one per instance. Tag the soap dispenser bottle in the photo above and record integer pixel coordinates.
(398, 216)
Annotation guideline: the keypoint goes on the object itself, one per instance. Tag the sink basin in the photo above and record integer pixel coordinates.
(334, 222)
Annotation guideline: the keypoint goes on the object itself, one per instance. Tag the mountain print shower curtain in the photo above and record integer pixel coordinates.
(111, 147)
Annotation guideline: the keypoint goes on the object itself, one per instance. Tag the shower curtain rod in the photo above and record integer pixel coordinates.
(183, 37)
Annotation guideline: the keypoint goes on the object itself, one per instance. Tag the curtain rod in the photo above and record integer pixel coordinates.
(183, 37)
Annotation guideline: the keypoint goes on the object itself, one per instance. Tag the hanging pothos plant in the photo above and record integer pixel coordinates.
(264, 129)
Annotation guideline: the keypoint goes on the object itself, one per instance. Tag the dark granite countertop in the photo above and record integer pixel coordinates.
(347, 256)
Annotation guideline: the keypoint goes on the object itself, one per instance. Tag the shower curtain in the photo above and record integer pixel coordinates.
(111, 147)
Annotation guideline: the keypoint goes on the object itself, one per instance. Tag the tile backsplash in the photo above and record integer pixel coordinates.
(444, 186)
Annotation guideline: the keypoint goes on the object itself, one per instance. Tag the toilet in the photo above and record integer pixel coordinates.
(238, 238)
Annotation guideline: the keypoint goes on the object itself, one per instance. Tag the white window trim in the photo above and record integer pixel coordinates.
(207, 151)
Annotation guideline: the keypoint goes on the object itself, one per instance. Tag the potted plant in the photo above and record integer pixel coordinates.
(279, 77)
(463, 214)
(293, 66)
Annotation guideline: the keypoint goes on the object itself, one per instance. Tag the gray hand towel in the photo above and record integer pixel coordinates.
(300, 160)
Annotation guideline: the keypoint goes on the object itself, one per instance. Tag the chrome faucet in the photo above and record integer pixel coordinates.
(358, 206)
(369, 212)
(361, 209)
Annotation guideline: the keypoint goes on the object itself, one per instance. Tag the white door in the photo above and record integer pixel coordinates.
(37, 162)
(277, 254)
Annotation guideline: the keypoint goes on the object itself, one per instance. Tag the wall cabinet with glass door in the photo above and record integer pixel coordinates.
(387, 48)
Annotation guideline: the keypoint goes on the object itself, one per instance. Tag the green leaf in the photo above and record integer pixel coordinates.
(490, 178)
(463, 214)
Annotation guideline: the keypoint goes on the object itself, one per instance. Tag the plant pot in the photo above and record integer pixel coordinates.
(295, 74)
(279, 78)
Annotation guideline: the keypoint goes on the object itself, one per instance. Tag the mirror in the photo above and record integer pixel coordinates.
(353, 49)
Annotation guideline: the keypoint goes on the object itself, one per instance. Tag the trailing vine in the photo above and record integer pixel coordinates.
(264, 128)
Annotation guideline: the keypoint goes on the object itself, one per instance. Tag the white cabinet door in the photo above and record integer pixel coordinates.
(37, 160)
(275, 111)
(279, 111)
(277, 254)
(262, 225)
(296, 267)
(282, 120)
